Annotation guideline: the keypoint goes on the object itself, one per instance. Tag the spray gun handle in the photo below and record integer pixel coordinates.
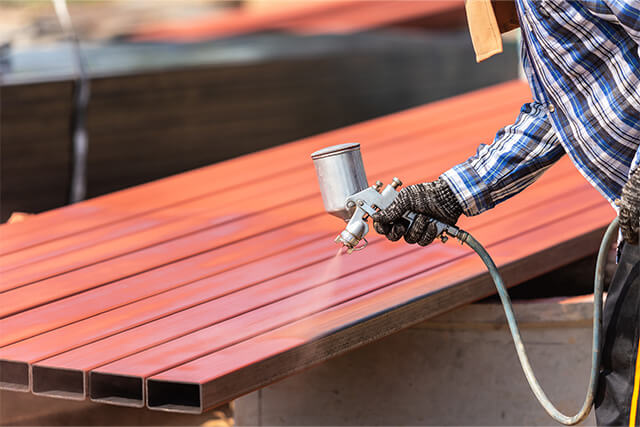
(408, 218)
(442, 228)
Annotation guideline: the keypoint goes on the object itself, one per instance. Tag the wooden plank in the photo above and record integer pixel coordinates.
(205, 382)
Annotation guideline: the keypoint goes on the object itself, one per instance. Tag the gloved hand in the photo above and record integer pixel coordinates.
(629, 216)
(429, 200)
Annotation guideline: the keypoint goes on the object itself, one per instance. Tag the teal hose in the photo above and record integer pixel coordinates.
(607, 241)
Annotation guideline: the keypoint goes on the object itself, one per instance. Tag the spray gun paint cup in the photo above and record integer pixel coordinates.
(340, 174)
(346, 194)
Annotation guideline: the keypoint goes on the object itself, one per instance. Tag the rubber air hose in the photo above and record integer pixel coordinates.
(607, 241)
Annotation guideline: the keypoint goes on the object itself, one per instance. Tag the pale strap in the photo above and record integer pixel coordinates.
(483, 26)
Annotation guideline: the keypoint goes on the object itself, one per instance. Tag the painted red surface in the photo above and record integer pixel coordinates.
(340, 17)
(234, 358)
(246, 170)
(135, 253)
(185, 279)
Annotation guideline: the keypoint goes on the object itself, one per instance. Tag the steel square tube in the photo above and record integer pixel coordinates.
(166, 224)
(14, 375)
(63, 383)
(63, 339)
(242, 171)
(241, 368)
(172, 353)
(75, 281)
(6, 358)
(190, 298)
(123, 391)
(131, 289)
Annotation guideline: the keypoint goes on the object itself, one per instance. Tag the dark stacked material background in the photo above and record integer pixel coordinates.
(149, 124)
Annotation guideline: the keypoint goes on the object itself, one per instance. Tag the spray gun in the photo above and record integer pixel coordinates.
(346, 194)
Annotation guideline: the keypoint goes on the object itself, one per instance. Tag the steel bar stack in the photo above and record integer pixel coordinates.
(324, 17)
(187, 292)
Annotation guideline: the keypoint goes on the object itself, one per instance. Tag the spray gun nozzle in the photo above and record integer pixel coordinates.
(350, 241)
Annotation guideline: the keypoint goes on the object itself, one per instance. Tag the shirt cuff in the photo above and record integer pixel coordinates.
(469, 188)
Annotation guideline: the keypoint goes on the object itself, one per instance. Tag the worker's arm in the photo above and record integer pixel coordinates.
(626, 14)
(520, 153)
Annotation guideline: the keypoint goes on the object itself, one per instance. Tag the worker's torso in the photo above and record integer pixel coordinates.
(583, 65)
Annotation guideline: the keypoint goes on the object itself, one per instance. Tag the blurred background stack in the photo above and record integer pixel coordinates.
(178, 85)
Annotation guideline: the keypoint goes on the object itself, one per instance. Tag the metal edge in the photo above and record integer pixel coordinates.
(120, 390)
(58, 382)
(15, 375)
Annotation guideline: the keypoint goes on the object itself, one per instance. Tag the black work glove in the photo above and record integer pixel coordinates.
(629, 216)
(430, 200)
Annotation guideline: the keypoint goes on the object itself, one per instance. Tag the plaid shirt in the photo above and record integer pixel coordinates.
(581, 61)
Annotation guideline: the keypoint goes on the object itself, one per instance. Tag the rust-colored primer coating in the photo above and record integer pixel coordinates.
(181, 295)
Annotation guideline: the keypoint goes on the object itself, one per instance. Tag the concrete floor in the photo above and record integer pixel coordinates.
(456, 369)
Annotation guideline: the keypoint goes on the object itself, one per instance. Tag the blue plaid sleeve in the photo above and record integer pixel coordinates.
(519, 154)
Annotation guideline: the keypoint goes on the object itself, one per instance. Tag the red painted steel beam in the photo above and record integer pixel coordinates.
(216, 378)
(31, 295)
(331, 17)
(156, 359)
(246, 170)
(137, 287)
(80, 281)
(64, 255)
(98, 326)
(369, 15)
(153, 333)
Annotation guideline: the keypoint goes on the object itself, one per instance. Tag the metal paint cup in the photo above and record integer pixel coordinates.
(340, 174)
